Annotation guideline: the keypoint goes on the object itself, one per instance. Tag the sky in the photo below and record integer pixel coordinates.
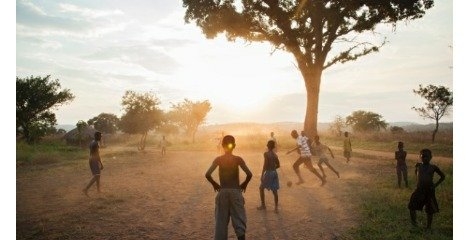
(100, 49)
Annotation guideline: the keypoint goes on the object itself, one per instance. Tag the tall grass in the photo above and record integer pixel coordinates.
(385, 214)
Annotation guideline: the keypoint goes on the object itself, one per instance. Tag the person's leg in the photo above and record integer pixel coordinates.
(297, 171)
(261, 195)
(309, 165)
(321, 169)
(399, 176)
(413, 217)
(332, 168)
(237, 213)
(92, 180)
(222, 214)
(276, 200)
(429, 220)
(405, 176)
(98, 187)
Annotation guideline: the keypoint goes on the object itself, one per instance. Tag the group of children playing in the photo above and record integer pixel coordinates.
(230, 203)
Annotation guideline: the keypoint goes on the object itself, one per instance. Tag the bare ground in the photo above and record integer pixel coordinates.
(147, 196)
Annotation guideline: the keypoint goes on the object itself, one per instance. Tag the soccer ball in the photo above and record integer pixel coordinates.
(289, 183)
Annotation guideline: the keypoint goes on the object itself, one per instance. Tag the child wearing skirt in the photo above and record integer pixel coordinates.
(269, 177)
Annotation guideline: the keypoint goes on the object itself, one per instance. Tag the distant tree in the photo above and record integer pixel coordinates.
(190, 115)
(36, 97)
(81, 126)
(310, 30)
(337, 125)
(439, 102)
(61, 131)
(141, 114)
(363, 121)
(396, 130)
(105, 122)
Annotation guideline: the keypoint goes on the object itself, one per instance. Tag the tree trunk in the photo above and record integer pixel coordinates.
(312, 84)
(435, 131)
(142, 142)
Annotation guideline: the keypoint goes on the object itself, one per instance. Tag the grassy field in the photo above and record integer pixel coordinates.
(383, 214)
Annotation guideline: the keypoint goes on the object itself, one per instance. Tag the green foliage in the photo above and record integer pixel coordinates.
(141, 114)
(47, 152)
(396, 130)
(105, 122)
(362, 121)
(190, 115)
(35, 99)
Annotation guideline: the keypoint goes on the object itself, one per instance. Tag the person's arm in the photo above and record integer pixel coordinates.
(331, 152)
(288, 152)
(209, 176)
(248, 176)
(276, 162)
(442, 177)
(264, 166)
(416, 169)
(101, 164)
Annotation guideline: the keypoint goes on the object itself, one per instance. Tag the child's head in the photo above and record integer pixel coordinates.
(294, 133)
(228, 143)
(425, 155)
(97, 136)
(317, 139)
(400, 145)
(271, 145)
(346, 134)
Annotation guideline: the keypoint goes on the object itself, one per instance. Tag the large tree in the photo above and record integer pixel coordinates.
(190, 115)
(36, 98)
(363, 121)
(309, 29)
(439, 102)
(141, 114)
(105, 122)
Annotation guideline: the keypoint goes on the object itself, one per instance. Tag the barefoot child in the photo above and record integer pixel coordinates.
(95, 163)
(424, 194)
(269, 177)
(305, 157)
(402, 169)
(321, 150)
(229, 202)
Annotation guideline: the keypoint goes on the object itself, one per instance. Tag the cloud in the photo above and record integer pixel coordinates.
(143, 55)
(87, 12)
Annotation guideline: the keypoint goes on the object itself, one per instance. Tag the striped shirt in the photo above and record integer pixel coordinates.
(303, 146)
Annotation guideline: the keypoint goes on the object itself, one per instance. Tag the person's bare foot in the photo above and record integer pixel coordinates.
(337, 173)
(323, 182)
(262, 207)
(85, 192)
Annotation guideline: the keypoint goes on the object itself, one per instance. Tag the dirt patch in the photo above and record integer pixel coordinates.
(147, 196)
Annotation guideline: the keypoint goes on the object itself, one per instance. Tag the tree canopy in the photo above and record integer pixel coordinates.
(309, 29)
(439, 102)
(141, 114)
(105, 122)
(363, 121)
(36, 98)
(190, 115)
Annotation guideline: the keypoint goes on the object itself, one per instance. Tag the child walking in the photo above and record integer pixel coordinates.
(402, 169)
(424, 194)
(269, 177)
(229, 202)
(95, 163)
